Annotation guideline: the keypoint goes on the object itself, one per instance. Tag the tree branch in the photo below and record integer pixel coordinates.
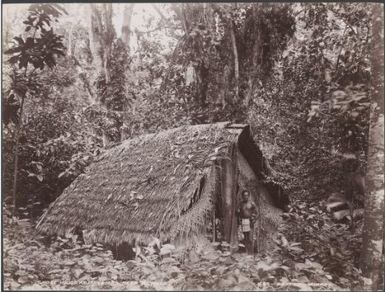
(150, 30)
(339, 53)
(159, 12)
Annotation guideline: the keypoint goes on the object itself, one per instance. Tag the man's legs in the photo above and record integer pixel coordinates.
(247, 241)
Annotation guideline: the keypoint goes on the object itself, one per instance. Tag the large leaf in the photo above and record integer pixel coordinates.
(14, 59)
(19, 40)
(13, 50)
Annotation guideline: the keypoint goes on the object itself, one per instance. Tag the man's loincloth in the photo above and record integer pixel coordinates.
(246, 225)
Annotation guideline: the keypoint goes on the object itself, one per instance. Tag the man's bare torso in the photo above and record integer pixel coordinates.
(247, 209)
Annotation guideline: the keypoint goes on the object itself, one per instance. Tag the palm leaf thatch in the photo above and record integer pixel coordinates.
(154, 185)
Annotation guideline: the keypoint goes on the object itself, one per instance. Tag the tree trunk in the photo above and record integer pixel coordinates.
(106, 141)
(372, 250)
(126, 27)
(84, 78)
(108, 38)
(202, 73)
(181, 14)
(16, 156)
(257, 68)
(102, 35)
(101, 39)
(249, 94)
(79, 69)
(225, 82)
(236, 59)
(69, 50)
(96, 44)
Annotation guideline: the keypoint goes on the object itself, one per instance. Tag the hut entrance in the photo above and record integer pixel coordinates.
(123, 251)
(225, 218)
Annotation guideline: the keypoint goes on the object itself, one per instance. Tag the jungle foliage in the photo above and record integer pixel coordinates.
(298, 73)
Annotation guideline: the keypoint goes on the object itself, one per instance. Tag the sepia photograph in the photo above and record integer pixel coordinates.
(234, 146)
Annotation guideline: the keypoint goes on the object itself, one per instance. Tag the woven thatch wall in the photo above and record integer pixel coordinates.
(147, 186)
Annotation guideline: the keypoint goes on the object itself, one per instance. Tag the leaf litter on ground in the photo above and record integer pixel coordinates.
(65, 263)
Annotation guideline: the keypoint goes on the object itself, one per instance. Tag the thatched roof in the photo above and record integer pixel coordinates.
(144, 187)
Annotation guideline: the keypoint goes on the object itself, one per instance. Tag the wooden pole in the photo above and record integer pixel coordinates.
(213, 224)
(252, 238)
(259, 219)
(234, 198)
(16, 157)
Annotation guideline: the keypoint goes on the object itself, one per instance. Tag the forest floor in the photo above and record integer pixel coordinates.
(314, 254)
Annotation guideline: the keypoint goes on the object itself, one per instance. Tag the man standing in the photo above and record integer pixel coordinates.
(247, 213)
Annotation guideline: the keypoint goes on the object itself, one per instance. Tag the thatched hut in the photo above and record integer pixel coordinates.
(170, 185)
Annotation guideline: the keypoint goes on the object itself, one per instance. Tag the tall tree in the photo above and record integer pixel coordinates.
(126, 26)
(102, 34)
(111, 63)
(37, 49)
(219, 53)
(373, 231)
